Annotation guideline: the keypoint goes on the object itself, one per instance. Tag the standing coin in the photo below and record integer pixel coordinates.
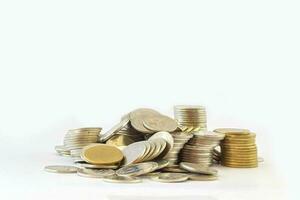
(121, 179)
(170, 177)
(106, 136)
(137, 169)
(61, 169)
(197, 168)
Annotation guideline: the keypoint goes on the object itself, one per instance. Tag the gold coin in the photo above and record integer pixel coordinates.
(101, 154)
(160, 123)
(120, 140)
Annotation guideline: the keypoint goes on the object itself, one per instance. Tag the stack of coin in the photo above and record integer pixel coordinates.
(191, 118)
(180, 138)
(238, 149)
(199, 149)
(76, 139)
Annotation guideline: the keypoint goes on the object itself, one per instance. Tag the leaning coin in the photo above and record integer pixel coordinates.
(162, 164)
(61, 169)
(137, 169)
(121, 179)
(197, 168)
(95, 173)
(200, 177)
(170, 177)
(104, 137)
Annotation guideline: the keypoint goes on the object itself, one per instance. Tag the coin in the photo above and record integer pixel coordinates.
(120, 140)
(200, 177)
(137, 118)
(170, 177)
(133, 152)
(162, 164)
(137, 169)
(95, 173)
(61, 169)
(114, 130)
(122, 179)
(196, 168)
(174, 168)
(168, 138)
(101, 154)
(160, 123)
(91, 166)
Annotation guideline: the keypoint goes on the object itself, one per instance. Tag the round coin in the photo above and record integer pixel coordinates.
(95, 173)
(199, 177)
(196, 168)
(160, 123)
(170, 177)
(121, 179)
(101, 154)
(114, 130)
(137, 169)
(61, 169)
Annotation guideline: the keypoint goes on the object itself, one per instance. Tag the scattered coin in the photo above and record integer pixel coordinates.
(122, 179)
(61, 169)
(200, 177)
(92, 166)
(162, 164)
(196, 168)
(160, 123)
(170, 177)
(101, 154)
(168, 138)
(95, 173)
(114, 130)
(137, 169)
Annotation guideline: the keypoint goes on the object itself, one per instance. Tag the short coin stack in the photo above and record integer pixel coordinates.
(76, 139)
(180, 138)
(199, 149)
(191, 118)
(238, 149)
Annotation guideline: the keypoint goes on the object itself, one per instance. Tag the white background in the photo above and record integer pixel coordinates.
(68, 64)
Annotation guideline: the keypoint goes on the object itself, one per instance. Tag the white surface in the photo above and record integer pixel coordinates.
(67, 64)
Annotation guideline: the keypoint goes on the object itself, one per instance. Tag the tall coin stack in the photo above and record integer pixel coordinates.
(180, 138)
(200, 148)
(238, 149)
(76, 139)
(191, 118)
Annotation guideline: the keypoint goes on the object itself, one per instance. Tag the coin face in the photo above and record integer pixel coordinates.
(133, 152)
(137, 169)
(160, 123)
(196, 168)
(169, 140)
(137, 118)
(114, 130)
(170, 177)
(61, 169)
(121, 179)
(200, 177)
(101, 154)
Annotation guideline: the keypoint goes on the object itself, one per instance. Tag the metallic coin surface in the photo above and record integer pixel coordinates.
(95, 173)
(114, 130)
(170, 177)
(61, 169)
(162, 164)
(137, 118)
(122, 179)
(160, 123)
(137, 169)
(196, 168)
(168, 138)
(133, 152)
(199, 177)
(101, 154)
(92, 166)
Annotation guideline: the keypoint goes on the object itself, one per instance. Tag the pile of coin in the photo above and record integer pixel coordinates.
(200, 148)
(180, 138)
(191, 118)
(76, 139)
(238, 149)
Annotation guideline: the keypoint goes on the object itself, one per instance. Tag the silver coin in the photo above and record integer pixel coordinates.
(61, 169)
(170, 177)
(199, 177)
(196, 168)
(174, 168)
(121, 179)
(106, 136)
(168, 138)
(162, 164)
(95, 173)
(137, 169)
